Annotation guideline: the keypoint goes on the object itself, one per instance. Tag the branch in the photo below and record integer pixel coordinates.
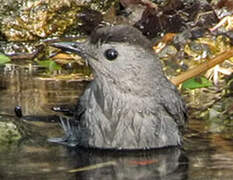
(202, 67)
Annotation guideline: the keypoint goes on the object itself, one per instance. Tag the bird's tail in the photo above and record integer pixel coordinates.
(70, 138)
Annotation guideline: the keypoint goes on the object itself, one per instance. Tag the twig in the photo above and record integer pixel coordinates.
(202, 67)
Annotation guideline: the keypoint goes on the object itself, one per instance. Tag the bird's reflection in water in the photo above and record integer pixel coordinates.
(164, 164)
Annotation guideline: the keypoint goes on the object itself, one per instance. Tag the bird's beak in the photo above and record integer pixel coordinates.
(79, 48)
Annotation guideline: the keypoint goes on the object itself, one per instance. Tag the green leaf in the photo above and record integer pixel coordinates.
(50, 65)
(4, 59)
(195, 82)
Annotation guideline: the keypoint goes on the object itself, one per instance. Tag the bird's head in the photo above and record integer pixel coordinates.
(119, 52)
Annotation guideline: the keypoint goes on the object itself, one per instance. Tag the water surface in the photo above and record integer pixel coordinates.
(205, 155)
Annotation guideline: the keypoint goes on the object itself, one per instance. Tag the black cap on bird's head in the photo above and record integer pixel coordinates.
(120, 33)
(114, 50)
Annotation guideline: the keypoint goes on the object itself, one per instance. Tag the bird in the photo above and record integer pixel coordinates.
(130, 104)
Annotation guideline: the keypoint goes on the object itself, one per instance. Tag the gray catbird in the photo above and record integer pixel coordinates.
(130, 104)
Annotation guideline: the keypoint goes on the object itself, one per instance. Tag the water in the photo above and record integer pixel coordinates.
(205, 156)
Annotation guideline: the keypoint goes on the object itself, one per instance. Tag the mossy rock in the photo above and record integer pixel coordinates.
(9, 133)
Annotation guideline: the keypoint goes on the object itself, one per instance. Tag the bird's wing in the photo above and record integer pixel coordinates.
(83, 101)
(174, 105)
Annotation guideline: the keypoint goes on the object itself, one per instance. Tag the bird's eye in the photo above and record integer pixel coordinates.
(111, 54)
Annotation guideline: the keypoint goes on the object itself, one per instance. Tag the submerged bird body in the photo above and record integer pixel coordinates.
(130, 104)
